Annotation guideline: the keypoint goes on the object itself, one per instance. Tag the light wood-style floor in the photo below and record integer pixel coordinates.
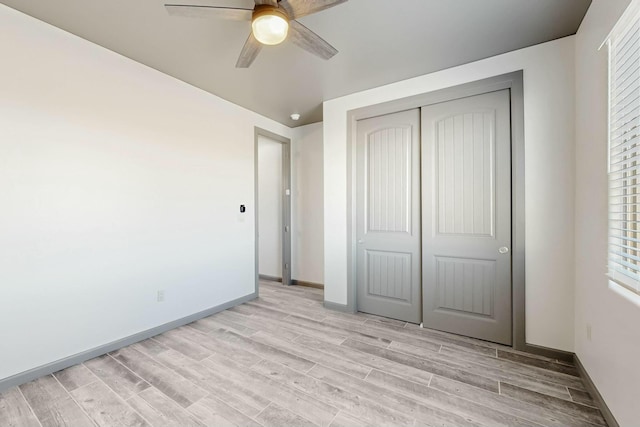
(284, 360)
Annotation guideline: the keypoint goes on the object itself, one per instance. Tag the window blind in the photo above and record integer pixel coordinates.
(624, 150)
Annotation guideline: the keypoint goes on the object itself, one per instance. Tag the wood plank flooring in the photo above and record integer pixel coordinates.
(283, 360)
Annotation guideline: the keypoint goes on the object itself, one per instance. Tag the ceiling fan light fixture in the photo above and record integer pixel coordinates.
(270, 25)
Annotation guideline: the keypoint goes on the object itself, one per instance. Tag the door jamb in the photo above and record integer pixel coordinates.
(286, 205)
(515, 83)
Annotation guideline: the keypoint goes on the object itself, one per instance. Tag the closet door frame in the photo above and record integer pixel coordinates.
(512, 81)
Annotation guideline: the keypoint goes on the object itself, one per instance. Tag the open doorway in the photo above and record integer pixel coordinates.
(273, 207)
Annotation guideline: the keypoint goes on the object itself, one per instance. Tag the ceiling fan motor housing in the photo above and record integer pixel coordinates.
(267, 9)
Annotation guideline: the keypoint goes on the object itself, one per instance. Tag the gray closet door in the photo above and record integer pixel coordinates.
(466, 206)
(388, 216)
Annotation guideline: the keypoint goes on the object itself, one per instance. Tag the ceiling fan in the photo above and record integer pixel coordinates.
(272, 21)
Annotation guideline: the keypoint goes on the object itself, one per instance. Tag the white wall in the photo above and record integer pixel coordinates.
(611, 356)
(550, 174)
(115, 181)
(307, 204)
(270, 206)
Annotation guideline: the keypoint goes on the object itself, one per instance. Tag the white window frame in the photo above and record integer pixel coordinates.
(623, 159)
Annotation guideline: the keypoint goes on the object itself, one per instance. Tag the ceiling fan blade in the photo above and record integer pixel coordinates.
(299, 8)
(267, 2)
(194, 11)
(310, 41)
(250, 50)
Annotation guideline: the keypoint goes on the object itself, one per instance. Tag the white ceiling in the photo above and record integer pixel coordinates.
(380, 42)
